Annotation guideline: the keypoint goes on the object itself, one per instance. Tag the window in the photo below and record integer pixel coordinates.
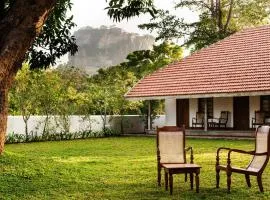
(201, 103)
(265, 105)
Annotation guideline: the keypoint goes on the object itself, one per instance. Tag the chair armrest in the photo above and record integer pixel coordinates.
(222, 148)
(218, 150)
(245, 152)
(242, 152)
(191, 153)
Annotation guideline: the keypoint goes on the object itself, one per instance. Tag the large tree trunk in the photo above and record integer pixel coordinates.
(18, 29)
(3, 117)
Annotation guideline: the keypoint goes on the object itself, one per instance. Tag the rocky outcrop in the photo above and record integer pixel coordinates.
(106, 46)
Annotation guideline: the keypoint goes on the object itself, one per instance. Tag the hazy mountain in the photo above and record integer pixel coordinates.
(106, 46)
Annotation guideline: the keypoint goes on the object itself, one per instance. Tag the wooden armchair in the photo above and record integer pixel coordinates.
(221, 121)
(171, 156)
(198, 120)
(256, 166)
(259, 119)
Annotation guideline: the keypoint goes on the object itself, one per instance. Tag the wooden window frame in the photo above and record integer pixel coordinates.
(210, 106)
(263, 99)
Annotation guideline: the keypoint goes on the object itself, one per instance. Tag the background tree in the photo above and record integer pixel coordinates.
(49, 90)
(143, 63)
(22, 95)
(73, 83)
(115, 81)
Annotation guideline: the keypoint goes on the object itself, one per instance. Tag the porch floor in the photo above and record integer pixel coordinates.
(199, 133)
(221, 133)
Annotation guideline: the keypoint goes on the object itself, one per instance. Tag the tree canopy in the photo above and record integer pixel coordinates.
(217, 19)
(55, 39)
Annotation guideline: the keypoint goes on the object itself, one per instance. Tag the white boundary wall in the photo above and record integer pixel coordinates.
(131, 123)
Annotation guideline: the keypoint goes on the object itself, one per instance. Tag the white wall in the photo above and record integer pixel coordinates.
(193, 108)
(132, 124)
(159, 121)
(224, 104)
(170, 112)
(254, 104)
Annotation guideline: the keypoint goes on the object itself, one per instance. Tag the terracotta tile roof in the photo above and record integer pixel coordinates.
(239, 63)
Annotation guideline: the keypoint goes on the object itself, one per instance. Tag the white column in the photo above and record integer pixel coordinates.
(205, 114)
(170, 112)
(149, 115)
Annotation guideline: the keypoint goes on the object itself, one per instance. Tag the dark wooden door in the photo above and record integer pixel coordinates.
(182, 112)
(241, 113)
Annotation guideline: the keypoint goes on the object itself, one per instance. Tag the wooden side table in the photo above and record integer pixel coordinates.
(191, 169)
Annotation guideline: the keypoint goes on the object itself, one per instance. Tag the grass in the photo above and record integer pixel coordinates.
(114, 168)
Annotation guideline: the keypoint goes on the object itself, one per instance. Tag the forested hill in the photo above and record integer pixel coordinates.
(106, 46)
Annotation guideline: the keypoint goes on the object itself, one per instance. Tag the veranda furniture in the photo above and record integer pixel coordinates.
(219, 122)
(171, 156)
(256, 166)
(198, 120)
(259, 119)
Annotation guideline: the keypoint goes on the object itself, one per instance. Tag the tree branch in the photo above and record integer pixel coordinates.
(229, 15)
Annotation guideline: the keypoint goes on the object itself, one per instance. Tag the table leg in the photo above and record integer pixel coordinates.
(191, 181)
(197, 181)
(171, 183)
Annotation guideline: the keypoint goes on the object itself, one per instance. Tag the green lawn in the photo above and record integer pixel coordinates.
(114, 168)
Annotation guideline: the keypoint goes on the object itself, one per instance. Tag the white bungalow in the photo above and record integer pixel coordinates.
(231, 75)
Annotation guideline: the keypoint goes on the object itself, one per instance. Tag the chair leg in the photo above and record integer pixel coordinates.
(191, 180)
(217, 177)
(185, 177)
(259, 180)
(166, 180)
(229, 181)
(171, 183)
(159, 176)
(248, 180)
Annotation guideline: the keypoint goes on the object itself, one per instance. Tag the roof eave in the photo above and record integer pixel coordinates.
(193, 96)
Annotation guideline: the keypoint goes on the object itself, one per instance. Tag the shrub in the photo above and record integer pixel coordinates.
(34, 137)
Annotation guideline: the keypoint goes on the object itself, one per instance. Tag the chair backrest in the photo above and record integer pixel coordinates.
(262, 145)
(171, 144)
(224, 115)
(199, 117)
(259, 117)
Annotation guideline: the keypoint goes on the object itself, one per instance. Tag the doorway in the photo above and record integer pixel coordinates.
(182, 112)
(241, 113)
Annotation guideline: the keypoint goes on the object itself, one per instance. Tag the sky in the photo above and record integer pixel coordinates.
(92, 13)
